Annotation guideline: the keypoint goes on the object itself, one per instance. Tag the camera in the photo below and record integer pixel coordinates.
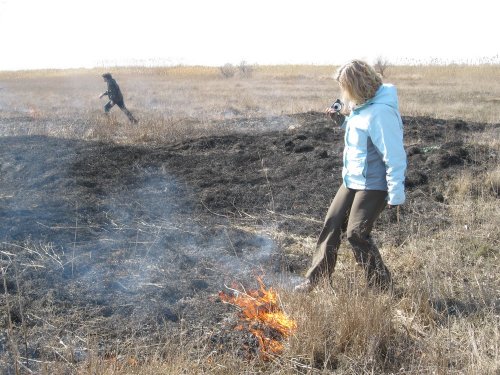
(337, 105)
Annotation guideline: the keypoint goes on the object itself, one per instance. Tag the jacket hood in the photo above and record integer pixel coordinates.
(386, 94)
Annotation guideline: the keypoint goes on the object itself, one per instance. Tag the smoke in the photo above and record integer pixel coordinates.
(130, 237)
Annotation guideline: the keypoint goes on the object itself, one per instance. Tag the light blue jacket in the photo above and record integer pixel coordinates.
(374, 156)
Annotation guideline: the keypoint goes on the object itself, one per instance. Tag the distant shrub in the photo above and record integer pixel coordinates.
(227, 71)
(380, 65)
(245, 69)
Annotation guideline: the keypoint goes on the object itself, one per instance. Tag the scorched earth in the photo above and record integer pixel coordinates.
(128, 242)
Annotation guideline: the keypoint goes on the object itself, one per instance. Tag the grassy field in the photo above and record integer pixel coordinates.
(445, 316)
(169, 101)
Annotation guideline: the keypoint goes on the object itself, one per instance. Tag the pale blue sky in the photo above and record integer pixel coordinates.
(87, 33)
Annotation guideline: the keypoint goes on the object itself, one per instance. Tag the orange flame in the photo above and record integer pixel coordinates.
(264, 317)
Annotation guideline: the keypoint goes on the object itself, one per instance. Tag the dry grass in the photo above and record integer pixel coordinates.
(180, 100)
(444, 316)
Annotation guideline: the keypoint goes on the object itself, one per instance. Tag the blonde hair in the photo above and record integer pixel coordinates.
(358, 81)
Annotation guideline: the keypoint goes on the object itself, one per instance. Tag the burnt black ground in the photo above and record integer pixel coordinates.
(124, 242)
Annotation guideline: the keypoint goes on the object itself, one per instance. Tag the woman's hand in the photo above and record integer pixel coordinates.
(331, 112)
(336, 116)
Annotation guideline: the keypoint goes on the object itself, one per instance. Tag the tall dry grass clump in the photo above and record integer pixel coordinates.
(348, 327)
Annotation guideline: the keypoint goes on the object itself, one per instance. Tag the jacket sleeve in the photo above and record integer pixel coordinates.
(386, 133)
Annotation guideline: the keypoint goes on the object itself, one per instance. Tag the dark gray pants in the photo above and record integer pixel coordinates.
(124, 109)
(353, 212)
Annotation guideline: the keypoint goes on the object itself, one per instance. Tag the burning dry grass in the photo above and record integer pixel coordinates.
(263, 316)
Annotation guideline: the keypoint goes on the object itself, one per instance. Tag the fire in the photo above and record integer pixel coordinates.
(263, 317)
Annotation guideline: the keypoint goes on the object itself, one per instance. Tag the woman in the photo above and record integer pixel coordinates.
(373, 174)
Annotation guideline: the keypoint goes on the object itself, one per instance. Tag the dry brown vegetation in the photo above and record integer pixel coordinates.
(170, 100)
(443, 316)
